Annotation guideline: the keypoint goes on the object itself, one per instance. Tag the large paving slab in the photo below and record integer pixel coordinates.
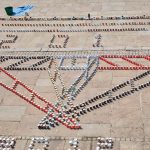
(131, 145)
(20, 144)
(8, 128)
(127, 121)
(82, 145)
(12, 113)
(92, 130)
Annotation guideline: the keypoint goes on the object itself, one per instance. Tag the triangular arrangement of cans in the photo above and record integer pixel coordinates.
(65, 96)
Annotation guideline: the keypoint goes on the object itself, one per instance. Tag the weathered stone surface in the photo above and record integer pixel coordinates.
(43, 82)
(130, 145)
(127, 132)
(128, 120)
(146, 145)
(8, 128)
(94, 130)
(20, 144)
(57, 144)
(11, 113)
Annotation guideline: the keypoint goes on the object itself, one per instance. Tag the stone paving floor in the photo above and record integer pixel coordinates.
(126, 121)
